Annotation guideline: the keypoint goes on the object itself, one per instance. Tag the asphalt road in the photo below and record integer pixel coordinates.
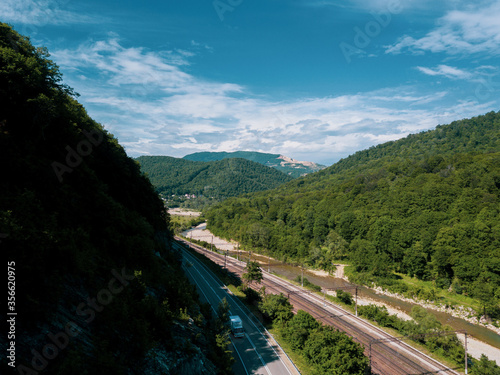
(388, 357)
(255, 353)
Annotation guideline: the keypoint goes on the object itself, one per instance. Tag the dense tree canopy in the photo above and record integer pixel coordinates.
(218, 179)
(277, 161)
(427, 206)
(75, 212)
(325, 349)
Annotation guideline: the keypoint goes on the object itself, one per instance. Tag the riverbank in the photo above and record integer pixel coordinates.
(466, 313)
(201, 233)
(461, 312)
(183, 212)
(474, 347)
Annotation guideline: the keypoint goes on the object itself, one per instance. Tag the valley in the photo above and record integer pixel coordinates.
(229, 189)
(481, 340)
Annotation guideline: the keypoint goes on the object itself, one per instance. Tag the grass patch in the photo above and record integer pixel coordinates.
(297, 358)
(307, 284)
(415, 289)
(442, 296)
(179, 223)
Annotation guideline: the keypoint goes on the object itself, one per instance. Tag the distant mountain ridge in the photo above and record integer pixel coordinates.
(282, 163)
(219, 179)
(425, 206)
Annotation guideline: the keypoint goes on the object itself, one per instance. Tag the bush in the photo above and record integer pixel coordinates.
(276, 307)
(344, 297)
(308, 284)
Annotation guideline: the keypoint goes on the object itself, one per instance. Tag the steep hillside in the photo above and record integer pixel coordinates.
(82, 232)
(427, 206)
(218, 179)
(282, 163)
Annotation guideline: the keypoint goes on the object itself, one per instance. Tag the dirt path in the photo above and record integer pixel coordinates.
(203, 234)
(183, 212)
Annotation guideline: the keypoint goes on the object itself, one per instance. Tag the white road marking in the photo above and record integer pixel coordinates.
(234, 346)
(209, 272)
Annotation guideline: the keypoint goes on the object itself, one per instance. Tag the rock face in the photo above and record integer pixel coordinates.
(282, 163)
(303, 167)
(189, 360)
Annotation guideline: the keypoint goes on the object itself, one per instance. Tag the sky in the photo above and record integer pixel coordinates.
(315, 80)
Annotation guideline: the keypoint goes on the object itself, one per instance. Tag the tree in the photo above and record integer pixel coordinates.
(277, 307)
(223, 315)
(223, 357)
(484, 366)
(344, 297)
(254, 273)
(333, 352)
(485, 293)
(414, 261)
(299, 328)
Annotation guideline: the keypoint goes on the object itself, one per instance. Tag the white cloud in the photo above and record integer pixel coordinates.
(447, 71)
(467, 31)
(153, 106)
(41, 13)
(391, 6)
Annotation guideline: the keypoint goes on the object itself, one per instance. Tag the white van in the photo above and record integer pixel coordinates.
(237, 326)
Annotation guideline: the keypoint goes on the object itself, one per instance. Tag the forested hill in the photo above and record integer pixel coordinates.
(426, 206)
(282, 163)
(218, 179)
(81, 232)
(478, 134)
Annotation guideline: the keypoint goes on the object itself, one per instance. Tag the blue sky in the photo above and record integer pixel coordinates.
(314, 80)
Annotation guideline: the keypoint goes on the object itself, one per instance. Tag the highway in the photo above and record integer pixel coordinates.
(256, 353)
(388, 357)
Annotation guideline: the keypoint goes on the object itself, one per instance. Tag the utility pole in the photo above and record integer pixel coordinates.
(302, 274)
(212, 243)
(370, 357)
(356, 301)
(420, 336)
(349, 287)
(465, 333)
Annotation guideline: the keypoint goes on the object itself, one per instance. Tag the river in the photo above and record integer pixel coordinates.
(291, 272)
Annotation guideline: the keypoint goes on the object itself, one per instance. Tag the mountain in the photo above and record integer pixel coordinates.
(218, 179)
(426, 206)
(92, 276)
(282, 163)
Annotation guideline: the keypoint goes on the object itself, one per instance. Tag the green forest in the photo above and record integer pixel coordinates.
(426, 206)
(98, 289)
(215, 179)
(269, 160)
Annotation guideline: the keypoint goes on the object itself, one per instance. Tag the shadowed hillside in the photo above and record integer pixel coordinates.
(83, 232)
(282, 163)
(215, 180)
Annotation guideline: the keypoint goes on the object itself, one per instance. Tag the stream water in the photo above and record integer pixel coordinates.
(291, 272)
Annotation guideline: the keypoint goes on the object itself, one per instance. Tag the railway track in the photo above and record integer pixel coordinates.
(387, 358)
